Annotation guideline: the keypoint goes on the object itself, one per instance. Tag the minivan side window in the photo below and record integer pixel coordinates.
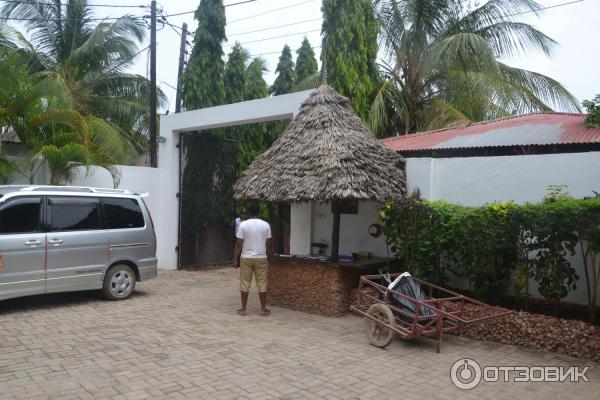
(74, 214)
(21, 215)
(122, 213)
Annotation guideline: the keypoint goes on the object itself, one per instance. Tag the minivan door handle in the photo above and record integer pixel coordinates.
(55, 242)
(33, 243)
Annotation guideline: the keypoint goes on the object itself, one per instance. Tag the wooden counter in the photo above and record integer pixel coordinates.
(318, 287)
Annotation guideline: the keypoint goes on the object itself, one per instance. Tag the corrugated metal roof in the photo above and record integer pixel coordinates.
(537, 129)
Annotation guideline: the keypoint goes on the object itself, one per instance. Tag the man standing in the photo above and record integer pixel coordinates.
(252, 237)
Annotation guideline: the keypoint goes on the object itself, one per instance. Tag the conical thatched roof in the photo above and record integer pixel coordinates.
(326, 153)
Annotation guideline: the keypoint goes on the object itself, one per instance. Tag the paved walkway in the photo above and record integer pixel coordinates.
(179, 338)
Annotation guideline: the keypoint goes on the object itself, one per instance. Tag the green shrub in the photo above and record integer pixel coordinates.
(490, 244)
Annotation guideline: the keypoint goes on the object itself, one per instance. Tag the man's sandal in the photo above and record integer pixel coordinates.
(241, 312)
(265, 313)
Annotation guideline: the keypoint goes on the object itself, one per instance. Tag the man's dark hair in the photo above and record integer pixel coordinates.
(253, 209)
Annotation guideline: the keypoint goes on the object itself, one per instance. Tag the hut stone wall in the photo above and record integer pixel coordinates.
(312, 287)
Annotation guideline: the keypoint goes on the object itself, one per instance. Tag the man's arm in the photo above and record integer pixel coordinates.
(237, 250)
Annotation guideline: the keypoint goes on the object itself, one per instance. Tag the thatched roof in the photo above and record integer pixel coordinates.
(326, 153)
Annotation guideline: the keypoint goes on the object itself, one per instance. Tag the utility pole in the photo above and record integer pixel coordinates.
(180, 69)
(153, 155)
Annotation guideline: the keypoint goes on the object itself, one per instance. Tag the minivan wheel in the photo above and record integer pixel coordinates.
(119, 282)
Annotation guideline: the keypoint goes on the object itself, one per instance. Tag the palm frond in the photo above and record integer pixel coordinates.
(462, 51)
(439, 114)
(43, 22)
(543, 87)
(310, 82)
(516, 39)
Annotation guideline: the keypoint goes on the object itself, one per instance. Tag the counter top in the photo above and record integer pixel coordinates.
(361, 263)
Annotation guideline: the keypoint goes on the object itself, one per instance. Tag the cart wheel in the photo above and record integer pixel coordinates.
(380, 335)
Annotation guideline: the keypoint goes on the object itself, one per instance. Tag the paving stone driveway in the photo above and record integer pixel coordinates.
(179, 338)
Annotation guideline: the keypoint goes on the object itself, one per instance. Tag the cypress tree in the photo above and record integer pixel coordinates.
(306, 63)
(235, 74)
(203, 79)
(350, 50)
(255, 138)
(286, 76)
(210, 168)
(256, 87)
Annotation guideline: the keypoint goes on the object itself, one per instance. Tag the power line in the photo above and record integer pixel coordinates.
(225, 5)
(173, 27)
(541, 9)
(87, 5)
(270, 11)
(275, 27)
(281, 36)
(71, 19)
(278, 52)
(169, 85)
(105, 73)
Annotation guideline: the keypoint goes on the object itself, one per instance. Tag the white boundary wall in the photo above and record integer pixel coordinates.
(478, 180)
(136, 179)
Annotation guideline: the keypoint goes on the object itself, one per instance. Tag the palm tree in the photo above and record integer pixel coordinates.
(88, 61)
(40, 114)
(27, 110)
(444, 64)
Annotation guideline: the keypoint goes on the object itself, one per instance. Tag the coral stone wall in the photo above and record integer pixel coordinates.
(313, 287)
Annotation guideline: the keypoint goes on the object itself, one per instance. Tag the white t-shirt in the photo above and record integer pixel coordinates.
(254, 232)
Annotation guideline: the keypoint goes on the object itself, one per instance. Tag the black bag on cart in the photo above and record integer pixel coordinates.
(406, 285)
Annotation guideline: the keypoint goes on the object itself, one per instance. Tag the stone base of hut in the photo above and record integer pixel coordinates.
(316, 287)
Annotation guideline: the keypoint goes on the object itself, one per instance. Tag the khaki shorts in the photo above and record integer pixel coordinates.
(257, 267)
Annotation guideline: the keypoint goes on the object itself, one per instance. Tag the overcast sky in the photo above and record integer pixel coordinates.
(576, 27)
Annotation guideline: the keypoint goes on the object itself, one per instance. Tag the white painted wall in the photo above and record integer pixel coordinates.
(313, 221)
(136, 179)
(300, 227)
(478, 180)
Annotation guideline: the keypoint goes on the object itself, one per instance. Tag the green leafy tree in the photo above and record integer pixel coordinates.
(593, 110)
(203, 84)
(443, 64)
(88, 61)
(37, 111)
(254, 138)
(235, 74)
(349, 50)
(207, 199)
(306, 63)
(286, 76)
(255, 85)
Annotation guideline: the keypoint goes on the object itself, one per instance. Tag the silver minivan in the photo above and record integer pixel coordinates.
(61, 238)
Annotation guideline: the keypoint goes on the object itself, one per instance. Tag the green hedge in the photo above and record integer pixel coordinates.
(492, 244)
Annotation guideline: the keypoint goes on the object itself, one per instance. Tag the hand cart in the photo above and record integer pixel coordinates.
(402, 308)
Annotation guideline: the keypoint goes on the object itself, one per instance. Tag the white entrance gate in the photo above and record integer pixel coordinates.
(166, 204)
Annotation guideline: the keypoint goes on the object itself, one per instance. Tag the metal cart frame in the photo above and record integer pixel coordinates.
(449, 312)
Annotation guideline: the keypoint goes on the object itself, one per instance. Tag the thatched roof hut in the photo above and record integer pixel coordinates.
(326, 153)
